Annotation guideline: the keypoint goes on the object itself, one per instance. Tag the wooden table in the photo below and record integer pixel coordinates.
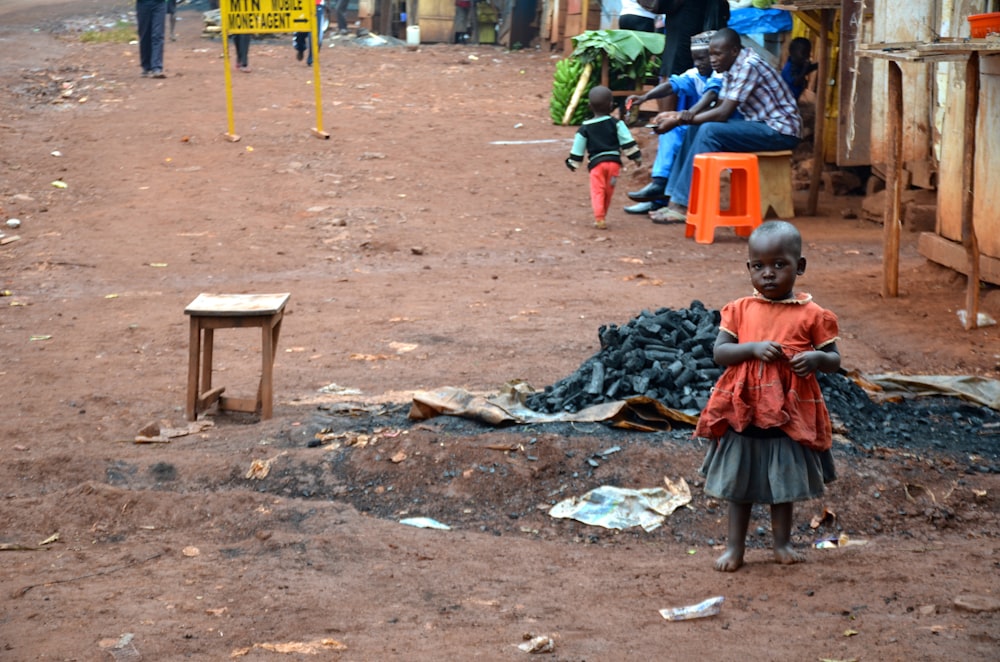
(949, 50)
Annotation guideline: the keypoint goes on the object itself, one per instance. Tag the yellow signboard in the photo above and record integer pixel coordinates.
(267, 16)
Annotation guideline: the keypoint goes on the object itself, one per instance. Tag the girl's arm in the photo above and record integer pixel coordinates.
(826, 359)
(730, 352)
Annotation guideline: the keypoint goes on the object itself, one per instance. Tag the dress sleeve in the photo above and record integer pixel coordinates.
(826, 330)
(730, 322)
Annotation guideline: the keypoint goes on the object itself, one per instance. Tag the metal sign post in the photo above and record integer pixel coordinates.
(268, 17)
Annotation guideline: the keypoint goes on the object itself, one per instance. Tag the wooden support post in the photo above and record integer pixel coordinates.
(969, 239)
(894, 182)
(822, 84)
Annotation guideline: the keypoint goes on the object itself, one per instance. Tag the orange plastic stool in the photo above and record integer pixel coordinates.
(704, 209)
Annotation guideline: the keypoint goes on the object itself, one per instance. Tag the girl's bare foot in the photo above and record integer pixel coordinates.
(731, 561)
(785, 555)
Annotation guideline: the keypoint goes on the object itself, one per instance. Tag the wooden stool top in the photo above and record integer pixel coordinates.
(236, 305)
(783, 152)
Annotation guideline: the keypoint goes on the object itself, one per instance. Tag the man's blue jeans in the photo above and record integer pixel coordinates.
(151, 16)
(732, 136)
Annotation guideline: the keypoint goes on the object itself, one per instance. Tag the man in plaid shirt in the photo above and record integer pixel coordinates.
(770, 116)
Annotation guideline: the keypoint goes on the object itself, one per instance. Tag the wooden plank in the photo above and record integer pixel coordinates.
(894, 183)
(853, 88)
(953, 255)
(969, 239)
(822, 83)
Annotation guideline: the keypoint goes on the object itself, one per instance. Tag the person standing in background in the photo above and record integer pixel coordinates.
(151, 18)
(634, 17)
(341, 11)
(464, 13)
(684, 18)
(172, 13)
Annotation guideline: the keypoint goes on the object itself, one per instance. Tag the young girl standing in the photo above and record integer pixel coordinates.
(766, 414)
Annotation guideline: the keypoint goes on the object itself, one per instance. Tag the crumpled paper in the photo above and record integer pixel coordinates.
(620, 508)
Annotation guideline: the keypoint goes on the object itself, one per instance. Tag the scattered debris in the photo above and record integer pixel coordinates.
(613, 507)
(843, 540)
(977, 603)
(425, 523)
(537, 644)
(709, 607)
(314, 647)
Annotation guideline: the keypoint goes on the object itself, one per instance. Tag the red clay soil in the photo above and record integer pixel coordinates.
(418, 254)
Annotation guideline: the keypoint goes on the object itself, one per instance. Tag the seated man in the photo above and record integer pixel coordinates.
(770, 117)
(696, 89)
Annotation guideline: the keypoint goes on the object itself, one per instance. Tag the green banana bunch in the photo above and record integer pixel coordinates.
(564, 81)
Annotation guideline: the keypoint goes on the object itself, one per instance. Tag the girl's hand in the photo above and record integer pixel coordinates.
(806, 363)
(767, 351)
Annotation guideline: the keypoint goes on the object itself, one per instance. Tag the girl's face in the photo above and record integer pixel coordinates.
(773, 267)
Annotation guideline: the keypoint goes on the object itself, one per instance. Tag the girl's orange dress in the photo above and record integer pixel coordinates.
(770, 395)
(771, 427)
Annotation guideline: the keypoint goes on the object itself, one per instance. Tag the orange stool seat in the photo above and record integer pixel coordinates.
(209, 312)
(704, 209)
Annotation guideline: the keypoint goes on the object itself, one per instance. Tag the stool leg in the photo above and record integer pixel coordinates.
(206, 360)
(194, 354)
(265, 394)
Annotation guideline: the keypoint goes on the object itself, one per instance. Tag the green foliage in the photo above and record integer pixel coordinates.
(121, 32)
(629, 52)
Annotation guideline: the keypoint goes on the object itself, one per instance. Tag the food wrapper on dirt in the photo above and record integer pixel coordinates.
(620, 508)
(840, 541)
(704, 608)
(539, 644)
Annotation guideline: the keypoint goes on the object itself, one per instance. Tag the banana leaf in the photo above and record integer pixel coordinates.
(628, 51)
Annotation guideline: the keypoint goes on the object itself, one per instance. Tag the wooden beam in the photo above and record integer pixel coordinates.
(822, 85)
(969, 239)
(894, 182)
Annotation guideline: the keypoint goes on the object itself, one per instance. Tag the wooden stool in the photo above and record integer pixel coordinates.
(775, 170)
(209, 312)
(704, 209)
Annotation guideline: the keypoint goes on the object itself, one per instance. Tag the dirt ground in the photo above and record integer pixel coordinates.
(418, 254)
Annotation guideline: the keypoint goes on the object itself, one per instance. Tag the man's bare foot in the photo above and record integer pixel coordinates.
(731, 561)
(787, 556)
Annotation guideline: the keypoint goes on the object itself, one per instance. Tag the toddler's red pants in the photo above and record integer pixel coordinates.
(603, 178)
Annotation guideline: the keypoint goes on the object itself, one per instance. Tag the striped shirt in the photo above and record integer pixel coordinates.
(760, 94)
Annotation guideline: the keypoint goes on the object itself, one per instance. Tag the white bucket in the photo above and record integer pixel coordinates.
(413, 35)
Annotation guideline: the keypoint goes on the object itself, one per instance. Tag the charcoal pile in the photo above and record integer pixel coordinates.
(664, 355)
(667, 356)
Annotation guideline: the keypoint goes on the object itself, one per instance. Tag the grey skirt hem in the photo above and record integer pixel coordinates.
(765, 470)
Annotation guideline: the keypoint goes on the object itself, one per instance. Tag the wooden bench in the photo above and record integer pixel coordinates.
(209, 312)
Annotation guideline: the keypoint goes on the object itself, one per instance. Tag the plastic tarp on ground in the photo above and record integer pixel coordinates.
(507, 408)
(975, 389)
(750, 20)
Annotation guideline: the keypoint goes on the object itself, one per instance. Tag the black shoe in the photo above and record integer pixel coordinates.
(651, 191)
(299, 55)
(643, 207)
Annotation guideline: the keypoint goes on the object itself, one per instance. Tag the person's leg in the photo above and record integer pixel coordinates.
(242, 51)
(157, 34)
(614, 170)
(342, 16)
(143, 18)
(301, 43)
(597, 193)
(172, 17)
(739, 519)
(731, 136)
(781, 530)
